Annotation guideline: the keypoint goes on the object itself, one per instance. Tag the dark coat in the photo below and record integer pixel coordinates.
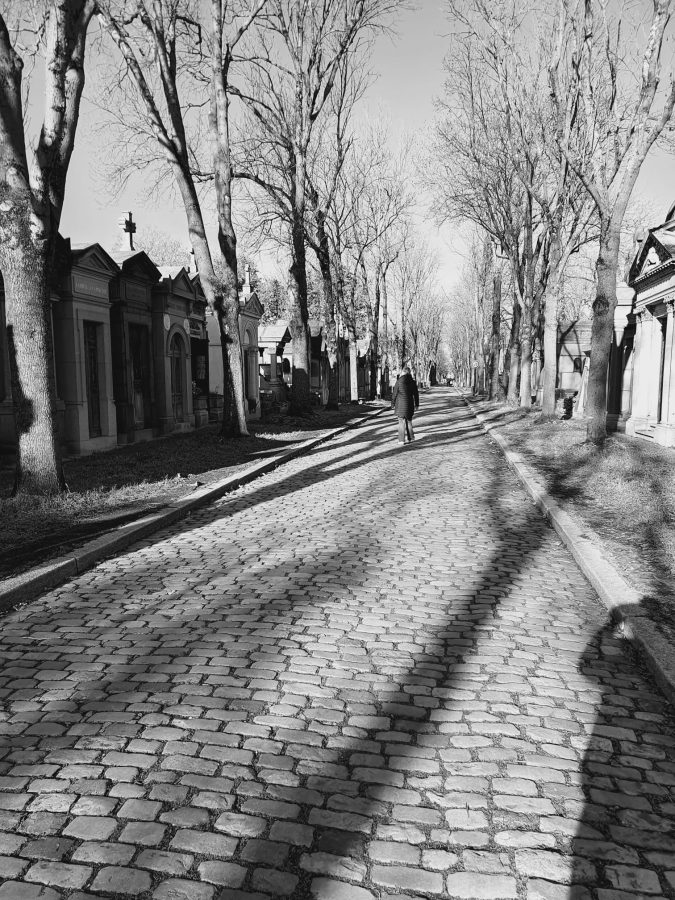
(406, 397)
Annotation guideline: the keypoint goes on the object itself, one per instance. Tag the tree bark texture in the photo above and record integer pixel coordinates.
(514, 354)
(495, 387)
(29, 337)
(374, 328)
(602, 331)
(29, 221)
(299, 323)
(353, 368)
(234, 422)
(384, 388)
(322, 250)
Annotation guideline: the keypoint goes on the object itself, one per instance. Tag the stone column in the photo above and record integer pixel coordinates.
(652, 400)
(274, 372)
(665, 430)
(638, 414)
(625, 296)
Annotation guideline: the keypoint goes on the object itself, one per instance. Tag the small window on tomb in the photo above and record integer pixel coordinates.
(577, 364)
(286, 366)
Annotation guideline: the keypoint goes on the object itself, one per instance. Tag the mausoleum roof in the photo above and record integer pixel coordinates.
(275, 332)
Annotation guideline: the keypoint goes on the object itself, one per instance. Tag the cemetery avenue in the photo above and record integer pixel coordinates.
(372, 673)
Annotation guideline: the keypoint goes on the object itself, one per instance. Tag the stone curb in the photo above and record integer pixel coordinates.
(30, 584)
(623, 601)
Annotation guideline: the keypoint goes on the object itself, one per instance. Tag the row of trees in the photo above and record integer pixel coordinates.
(208, 94)
(548, 115)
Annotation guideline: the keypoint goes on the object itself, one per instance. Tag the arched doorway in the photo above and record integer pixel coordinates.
(177, 363)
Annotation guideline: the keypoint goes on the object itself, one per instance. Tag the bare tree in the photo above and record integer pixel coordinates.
(507, 130)
(32, 189)
(324, 181)
(161, 44)
(609, 60)
(415, 281)
(301, 50)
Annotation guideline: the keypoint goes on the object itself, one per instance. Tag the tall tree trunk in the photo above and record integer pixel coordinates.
(214, 292)
(514, 354)
(30, 214)
(384, 389)
(28, 320)
(551, 301)
(323, 258)
(495, 387)
(234, 418)
(374, 327)
(353, 367)
(528, 302)
(550, 350)
(299, 322)
(602, 330)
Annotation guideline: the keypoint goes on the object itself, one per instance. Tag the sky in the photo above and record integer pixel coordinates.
(409, 66)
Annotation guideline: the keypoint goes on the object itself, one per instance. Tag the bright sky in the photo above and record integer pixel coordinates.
(410, 67)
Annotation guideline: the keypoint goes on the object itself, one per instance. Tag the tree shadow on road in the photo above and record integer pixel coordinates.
(392, 736)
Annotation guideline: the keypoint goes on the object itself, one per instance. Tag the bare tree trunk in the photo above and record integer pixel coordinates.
(550, 349)
(353, 367)
(322, 251)
(514, 354)
(374, 326)
(495, 387)
(299, 322)
(384, 388)
(526, 323)
(29, 336)
(602, 331)
(234, 417)
(30, 213)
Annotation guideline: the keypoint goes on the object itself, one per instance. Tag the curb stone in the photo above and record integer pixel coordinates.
(30, 584)
(622, 600)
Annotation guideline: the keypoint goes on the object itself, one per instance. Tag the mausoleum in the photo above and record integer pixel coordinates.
(642, 378)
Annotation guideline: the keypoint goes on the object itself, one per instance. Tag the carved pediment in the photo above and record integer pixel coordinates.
(651, 255)
(95, 259)
(253, 307)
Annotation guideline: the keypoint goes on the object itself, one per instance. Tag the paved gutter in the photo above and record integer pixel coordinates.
(30, 584)
(622, 600)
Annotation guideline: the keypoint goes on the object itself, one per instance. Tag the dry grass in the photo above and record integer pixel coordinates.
(107, 489)
(625, 492)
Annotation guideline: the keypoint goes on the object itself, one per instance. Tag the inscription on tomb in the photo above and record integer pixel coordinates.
(90, 287)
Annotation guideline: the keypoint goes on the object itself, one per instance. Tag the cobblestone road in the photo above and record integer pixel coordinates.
(374, 672)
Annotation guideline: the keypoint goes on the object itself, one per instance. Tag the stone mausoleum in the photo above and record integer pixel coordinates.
(641, 384)
(131, 349)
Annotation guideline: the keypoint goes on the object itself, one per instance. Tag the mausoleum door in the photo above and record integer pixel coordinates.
(91, 376)
(140, 374)
(177, 362)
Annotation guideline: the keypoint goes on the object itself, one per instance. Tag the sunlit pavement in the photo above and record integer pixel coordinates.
(372, 673)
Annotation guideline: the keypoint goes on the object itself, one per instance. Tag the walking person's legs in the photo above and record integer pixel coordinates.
(401, 429)
(409, 430)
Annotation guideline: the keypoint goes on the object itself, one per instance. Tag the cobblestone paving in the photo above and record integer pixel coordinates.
(372, 673)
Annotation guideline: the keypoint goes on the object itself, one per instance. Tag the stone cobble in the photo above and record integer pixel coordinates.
(372, 673)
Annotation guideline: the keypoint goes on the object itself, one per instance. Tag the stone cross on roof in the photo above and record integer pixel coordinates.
(128, 227)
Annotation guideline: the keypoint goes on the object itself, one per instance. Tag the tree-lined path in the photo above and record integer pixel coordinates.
(374, 672)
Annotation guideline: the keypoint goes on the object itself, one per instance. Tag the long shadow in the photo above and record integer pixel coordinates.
(395, 735)
(615, 832)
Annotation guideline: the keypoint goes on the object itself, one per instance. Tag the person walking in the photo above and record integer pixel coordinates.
(405, 400)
